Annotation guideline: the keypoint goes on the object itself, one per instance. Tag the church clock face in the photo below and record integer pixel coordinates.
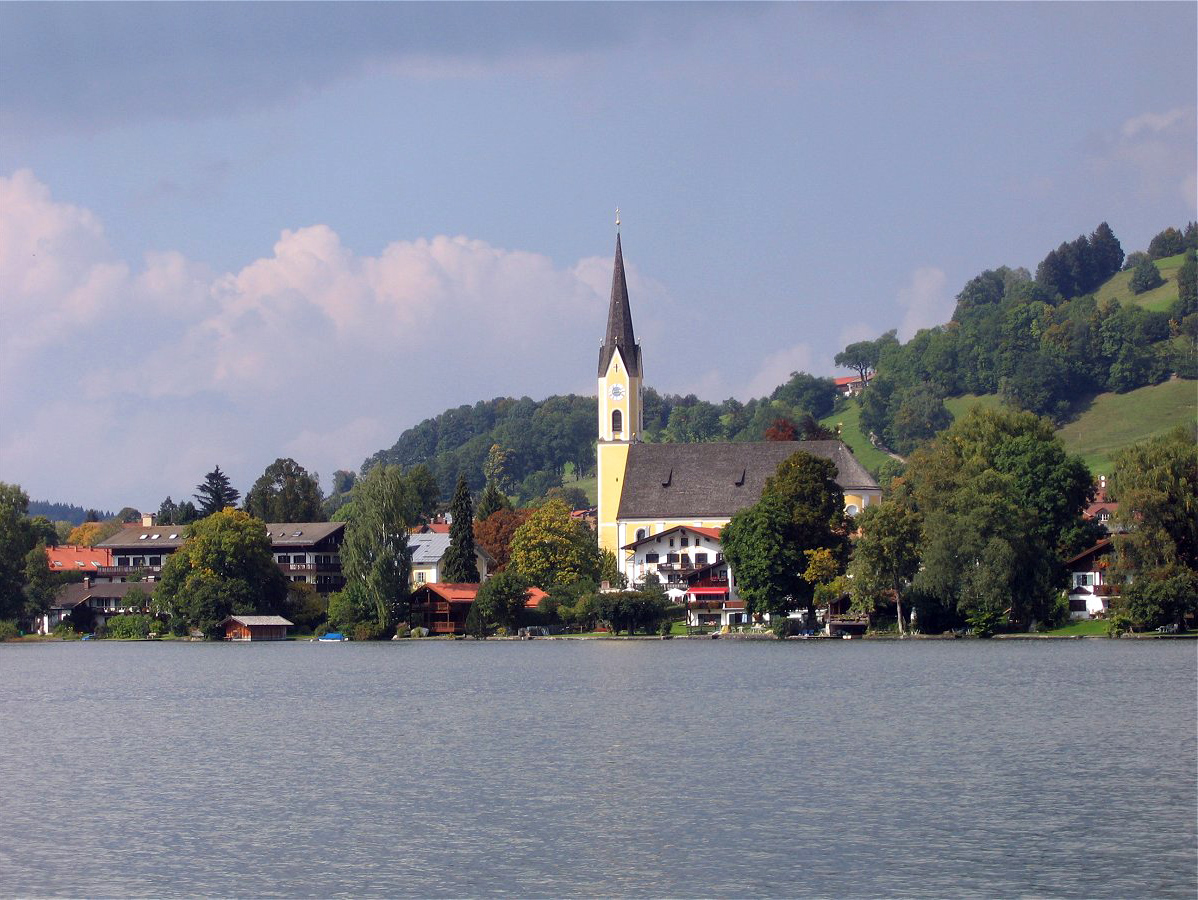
(617, 391)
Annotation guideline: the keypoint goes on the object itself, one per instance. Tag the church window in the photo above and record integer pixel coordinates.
(640, 534)
(617, 422)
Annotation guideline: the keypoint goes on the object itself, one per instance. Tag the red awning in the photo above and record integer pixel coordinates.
(707, 590)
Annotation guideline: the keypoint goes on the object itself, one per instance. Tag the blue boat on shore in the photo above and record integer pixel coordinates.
(333, 636)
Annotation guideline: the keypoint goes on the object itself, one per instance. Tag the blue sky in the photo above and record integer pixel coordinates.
(230, 233)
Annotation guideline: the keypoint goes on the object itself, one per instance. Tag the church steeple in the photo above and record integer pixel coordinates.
(619, 322)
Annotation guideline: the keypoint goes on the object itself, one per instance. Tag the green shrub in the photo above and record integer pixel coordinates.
(665, 628)
(368, 631)
(65, 630)
(985, 622)
(403, 630)
(1118, 624)
(131, 627)
(9, 630)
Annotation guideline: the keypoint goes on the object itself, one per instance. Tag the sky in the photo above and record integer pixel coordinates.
(231, 233)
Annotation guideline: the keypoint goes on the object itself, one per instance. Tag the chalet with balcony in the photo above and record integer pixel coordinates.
(673, 555)
(442, 608)
(1091, 588)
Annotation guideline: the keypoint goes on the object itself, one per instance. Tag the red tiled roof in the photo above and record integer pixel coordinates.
(454, 593)
(848, 379)
(1098, 506)
(72, 558)
(535, 596)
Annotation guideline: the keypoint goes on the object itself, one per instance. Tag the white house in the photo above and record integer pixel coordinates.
(1090, 590)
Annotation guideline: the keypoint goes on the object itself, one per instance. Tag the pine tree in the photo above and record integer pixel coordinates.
(461, 559)
(491, 501)
(215, 492)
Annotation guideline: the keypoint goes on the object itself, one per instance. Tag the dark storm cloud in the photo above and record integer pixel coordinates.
(85, 65)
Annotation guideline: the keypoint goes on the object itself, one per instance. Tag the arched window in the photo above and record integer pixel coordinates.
(640, 534)
(617, 422)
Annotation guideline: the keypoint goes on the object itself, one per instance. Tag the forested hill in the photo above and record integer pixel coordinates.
(1090, 321)
(547, 439)
(64, 512)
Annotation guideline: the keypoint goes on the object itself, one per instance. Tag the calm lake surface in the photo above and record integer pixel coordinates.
(551, 768)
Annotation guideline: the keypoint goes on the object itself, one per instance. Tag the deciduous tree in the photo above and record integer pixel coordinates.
(551, 548)
(494, 533)
(286, 492)
(225, 566)
(885, 554)
(801, 510)
(375, 555)
(501, 598)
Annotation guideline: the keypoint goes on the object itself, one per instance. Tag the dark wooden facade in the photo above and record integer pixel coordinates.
(255, 628)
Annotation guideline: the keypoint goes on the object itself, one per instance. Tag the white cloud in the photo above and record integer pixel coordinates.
(1153, 151)
(925, 300)
(312, 351)
(776, 369)
(1155, 122)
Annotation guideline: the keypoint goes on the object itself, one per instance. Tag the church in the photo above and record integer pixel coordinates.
(688, 490)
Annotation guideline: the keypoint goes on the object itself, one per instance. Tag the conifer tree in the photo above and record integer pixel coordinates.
(461, 560)
(215, 492)
(492, 500)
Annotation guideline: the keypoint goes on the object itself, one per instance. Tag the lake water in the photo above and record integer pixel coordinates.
(566, 768)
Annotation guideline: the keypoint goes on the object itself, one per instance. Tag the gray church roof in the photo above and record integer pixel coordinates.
(696, 481)
(619, 323)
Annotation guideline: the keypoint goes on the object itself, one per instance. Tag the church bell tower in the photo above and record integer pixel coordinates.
(620, 398)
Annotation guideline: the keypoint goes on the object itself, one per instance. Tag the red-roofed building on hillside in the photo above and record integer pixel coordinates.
(852, 385)
(74, 558)
(1102, 510)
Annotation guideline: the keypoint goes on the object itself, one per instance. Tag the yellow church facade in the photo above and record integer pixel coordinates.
(646, 489)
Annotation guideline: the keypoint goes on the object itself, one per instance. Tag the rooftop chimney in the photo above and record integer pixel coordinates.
(147, 520)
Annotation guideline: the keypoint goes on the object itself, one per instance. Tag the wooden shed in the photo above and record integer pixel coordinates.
(255, 628)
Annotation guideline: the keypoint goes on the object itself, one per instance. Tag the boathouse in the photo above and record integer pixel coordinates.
(255, 628)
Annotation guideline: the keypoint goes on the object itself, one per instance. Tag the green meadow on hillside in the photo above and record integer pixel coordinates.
(1158, 299)
(1114, 421)
(849, 421)
(1110, 422)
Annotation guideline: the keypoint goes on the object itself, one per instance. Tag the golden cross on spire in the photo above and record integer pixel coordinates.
(617, 218)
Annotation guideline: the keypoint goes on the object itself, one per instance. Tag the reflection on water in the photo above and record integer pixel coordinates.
(552, 768)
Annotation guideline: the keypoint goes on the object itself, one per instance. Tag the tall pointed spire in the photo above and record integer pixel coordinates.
(619, 322)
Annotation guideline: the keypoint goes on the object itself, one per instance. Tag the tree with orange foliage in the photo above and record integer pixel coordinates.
(494, 533)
